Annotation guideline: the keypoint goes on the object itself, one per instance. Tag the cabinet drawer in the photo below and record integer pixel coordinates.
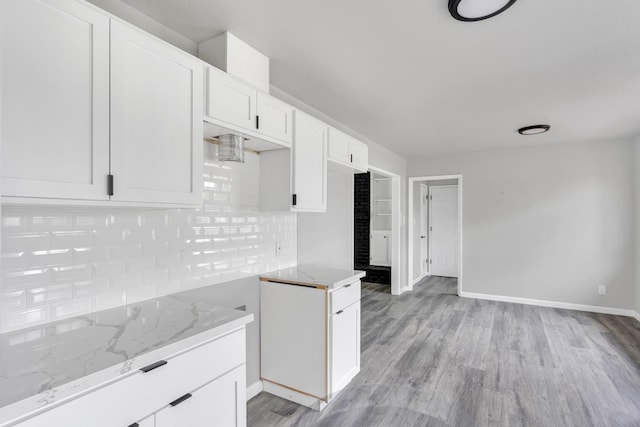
(345, 296)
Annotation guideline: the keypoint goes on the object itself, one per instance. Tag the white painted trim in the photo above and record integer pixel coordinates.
(553, 304)
(637, 316)
(254, 389)
(412, 180)
(396, 227)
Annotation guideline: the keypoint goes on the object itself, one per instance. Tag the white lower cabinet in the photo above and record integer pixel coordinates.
(219, 403)
(345, 346)
(204, 386)
(310, 340)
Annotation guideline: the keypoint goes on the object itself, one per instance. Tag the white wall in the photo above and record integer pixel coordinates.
(637, 217)
(328, 238)
(550, 223)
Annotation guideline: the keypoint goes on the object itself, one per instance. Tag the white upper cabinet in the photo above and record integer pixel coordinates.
(55, 100)
(83, 102)
(275, 118)
(230, 100)
(359, 155)
(239, 106)
(156, 120)
(309, 164)
(348, 151)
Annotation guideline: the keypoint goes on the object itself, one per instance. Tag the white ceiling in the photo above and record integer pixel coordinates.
(408, 76)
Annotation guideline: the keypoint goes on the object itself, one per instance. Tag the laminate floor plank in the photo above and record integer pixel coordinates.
(430, 358)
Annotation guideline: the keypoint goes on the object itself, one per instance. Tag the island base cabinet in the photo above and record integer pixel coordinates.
(220, 403)
(345, 347)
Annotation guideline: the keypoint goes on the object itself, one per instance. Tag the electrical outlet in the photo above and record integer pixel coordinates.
(602, 290)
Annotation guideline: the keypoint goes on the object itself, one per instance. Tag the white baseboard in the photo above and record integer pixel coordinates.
(254, 389)
(554, 304)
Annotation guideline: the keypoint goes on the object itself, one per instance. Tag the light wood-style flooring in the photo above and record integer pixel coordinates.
(430, 358)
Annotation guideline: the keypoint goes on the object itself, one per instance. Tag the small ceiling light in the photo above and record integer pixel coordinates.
(534, 130)
(477, 10)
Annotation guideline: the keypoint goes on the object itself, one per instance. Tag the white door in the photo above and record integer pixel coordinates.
(380, 248)
(230, 100)
(443, 246)
(309, 158)
(156, 120)
(55, 100)
(275, 118)
(424, 229)
(221, 403)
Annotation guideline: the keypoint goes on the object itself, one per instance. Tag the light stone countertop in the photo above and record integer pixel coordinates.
(43, 365)
(314, 275)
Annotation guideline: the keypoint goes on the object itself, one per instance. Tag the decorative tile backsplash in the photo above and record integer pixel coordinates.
(60, 262)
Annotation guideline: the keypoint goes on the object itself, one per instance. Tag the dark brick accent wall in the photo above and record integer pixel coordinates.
(361, 218)
(377, 274)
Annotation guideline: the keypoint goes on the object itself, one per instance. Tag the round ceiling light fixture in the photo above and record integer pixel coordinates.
(477, 10)
(534, 130)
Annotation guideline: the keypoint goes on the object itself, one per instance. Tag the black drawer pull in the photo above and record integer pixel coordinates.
(346, 286)
(135, 425)
(180, 400)
(154, 366)
(340, 312)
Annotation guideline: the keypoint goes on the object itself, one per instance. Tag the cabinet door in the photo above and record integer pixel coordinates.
(230, 100)
(55, 100)
(380, 248)
(156, 120)
(275, 118)
(309, 164)
(220, 403)
(345, 346)
(338, 146)
(359, 155)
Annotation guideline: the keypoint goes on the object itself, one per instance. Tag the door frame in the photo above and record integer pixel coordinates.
(423, 187)
(410, 257)
(396, 224)
(430, 242)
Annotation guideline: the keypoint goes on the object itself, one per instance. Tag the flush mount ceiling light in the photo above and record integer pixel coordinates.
(534, 130)
(477, 10)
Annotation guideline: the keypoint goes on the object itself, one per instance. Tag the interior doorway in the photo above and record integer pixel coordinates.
(435, 228)
(377, 227)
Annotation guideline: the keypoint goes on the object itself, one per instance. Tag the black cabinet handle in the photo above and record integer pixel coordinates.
(257, 122)
(340, 312)
(346, 286)
(135, 425)
(180, 400)
(154, 366)
(352, 158)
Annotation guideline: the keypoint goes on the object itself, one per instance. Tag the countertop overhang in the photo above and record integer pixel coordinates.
(314, 275)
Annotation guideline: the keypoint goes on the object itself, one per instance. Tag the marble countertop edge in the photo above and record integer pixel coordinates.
(22, 410)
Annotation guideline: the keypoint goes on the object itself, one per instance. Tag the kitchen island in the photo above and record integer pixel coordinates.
(310, 332)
